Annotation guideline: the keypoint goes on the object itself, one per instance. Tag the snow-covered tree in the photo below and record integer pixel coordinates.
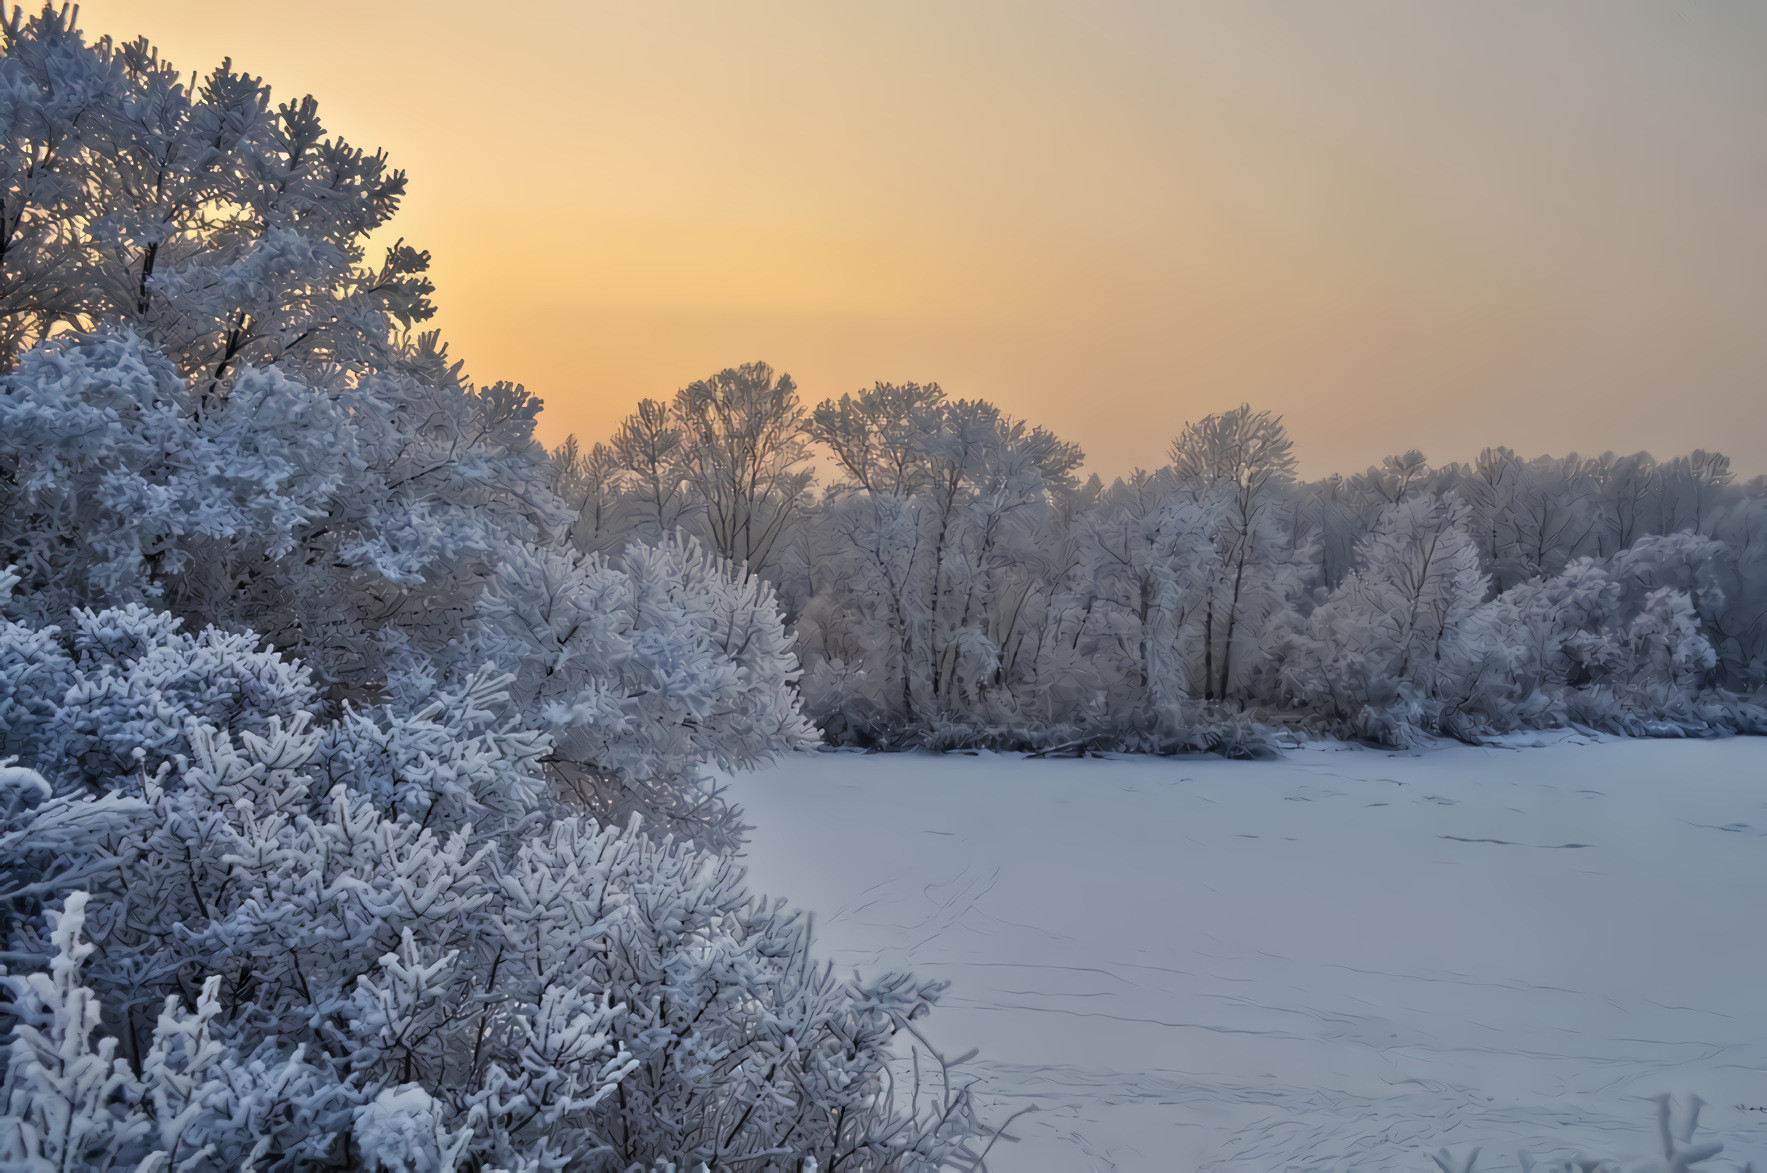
(1406, 639)
(1617, 642)
(1737, 593)
(650, 450)
(1246, 459)
(942, 569)
(594, 485)
(724, 461)
(231, 229)
(743, 457)
(227, 418)
(1127, 617)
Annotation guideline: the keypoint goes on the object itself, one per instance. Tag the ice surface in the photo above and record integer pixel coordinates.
(1340, 960)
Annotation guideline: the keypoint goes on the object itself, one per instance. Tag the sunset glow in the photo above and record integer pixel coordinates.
(1398, 225)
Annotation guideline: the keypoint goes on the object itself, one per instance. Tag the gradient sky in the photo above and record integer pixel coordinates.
(1400, 224)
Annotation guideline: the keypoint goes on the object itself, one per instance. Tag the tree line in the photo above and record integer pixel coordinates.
(955, 581)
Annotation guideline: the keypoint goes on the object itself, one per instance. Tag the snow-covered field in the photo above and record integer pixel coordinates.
(1339, 960)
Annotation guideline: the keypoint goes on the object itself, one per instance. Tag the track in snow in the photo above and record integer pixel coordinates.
(1340, 960)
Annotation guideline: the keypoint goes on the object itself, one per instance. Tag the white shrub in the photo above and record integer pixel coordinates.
(401, 952)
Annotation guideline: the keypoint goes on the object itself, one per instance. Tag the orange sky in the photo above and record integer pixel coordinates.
(1400, 224)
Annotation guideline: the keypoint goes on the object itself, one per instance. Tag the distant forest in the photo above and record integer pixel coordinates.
(955, 582)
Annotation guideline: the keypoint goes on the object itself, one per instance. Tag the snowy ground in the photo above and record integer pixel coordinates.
(1340, 960)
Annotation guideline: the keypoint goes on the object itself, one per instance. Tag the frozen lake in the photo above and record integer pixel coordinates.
(1339, 960)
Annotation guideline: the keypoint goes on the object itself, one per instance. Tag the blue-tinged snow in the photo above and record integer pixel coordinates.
(1344, 959)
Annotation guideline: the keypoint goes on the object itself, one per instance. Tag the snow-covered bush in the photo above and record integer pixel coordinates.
(247, 938)
(123, 690)
(644, 673)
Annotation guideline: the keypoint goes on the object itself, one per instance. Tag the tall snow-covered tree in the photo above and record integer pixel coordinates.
(743, 455)
(1247, 459)
(950, 554)
(227, 417)
(1125, 617)
(650, 446)
(592, 484)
